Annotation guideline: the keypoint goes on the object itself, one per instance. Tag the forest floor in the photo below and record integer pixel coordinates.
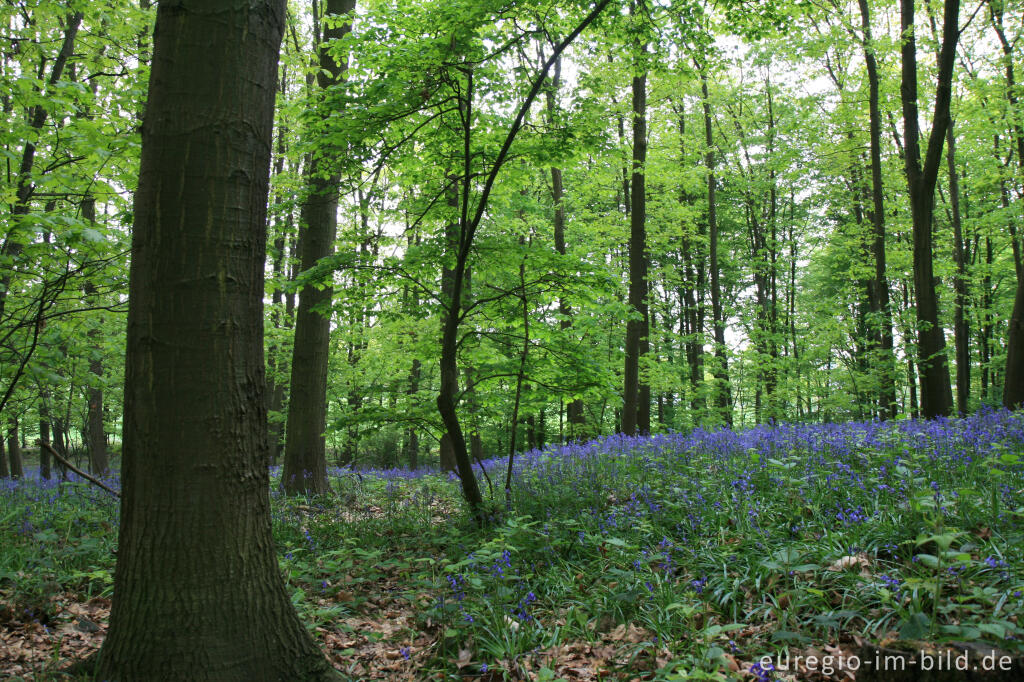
(711, 555)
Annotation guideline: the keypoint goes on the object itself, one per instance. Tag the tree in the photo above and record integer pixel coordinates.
(936, 394)
(879, 287)
(723, 400)
(198, 591)
(305, 457)
(636, 408)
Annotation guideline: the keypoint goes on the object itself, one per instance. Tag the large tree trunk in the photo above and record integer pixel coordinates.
(198, 592)
(936, 394)
(882, 309)
(305, 455)
(723, 392)
(636, 407)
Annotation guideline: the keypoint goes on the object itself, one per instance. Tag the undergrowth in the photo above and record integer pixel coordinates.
(678, 556)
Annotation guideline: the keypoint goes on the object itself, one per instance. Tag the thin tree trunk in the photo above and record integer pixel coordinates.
(636, 409)
(305, 452)
(5, 469)
(961, 329)
(880, 285)
(198, 591)
(37, 115)
(936, 394)
(95, 436)
(14, 450)
(44, 437)
(723, 392)
(574, 410)
(519, 385)
(275, 387)
(1013, 382)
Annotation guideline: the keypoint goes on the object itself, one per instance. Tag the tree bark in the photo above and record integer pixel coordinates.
(44, 437)
(37, 116)
(936, 394)
(305, 451)
(1013, 382)
(723, 392)
(880, 285)
(961, 328)
(574, 410)
(636, 406)
(5, 469)
(198, 591)
(17, 467)
(95, 436)
(276, 387)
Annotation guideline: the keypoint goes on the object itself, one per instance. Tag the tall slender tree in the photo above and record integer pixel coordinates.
(879, 286)
(723, 392)
(922, 174)
(305, 450)
(636, 408)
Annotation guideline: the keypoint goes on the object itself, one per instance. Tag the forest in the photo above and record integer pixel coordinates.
(511, 339)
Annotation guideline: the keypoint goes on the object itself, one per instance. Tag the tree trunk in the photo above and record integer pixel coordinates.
(447, 453)
(305, 451)
(574, 410)
(723, 392)
(985, 325)
(44, 437)
(275, 387)
(961, 329)
(412, 441)
(198, 591)
(886, 368)
(37, 115)
(1013, 382)
(95, 436)
(636, 407)
(14, 450)
(936, 394)
(5, 469)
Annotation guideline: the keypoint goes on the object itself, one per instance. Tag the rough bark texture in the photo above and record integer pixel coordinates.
(881, 307)
(95, 437)
(936, 394)
(17, 468)
(636, 407)
(1013, 382)
(723, 393)
(198, 592)
(44, 437)
(305, 456)
(961, 328)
